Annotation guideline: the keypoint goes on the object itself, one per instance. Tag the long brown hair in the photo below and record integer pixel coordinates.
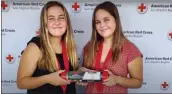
(92, 46)
(48, 58)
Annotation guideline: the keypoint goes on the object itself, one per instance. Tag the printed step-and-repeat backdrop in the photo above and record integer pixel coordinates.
(147, 24)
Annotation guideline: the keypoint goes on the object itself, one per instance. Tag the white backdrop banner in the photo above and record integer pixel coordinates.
(147, 24)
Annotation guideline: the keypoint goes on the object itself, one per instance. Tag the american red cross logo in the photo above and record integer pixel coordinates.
(142, 8)
(75, 6)
(9, 58)
(3, 5)
(164, 85)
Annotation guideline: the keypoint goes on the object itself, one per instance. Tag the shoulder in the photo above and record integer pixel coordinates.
(129, 46)
(35, 40)
(131, 51)
(33, 43)
(31, 51)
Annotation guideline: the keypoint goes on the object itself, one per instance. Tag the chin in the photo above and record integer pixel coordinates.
(57, 34)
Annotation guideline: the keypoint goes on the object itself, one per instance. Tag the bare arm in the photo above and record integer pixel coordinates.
(135, 68)
(27, 66)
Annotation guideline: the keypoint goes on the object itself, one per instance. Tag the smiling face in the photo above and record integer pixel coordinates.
(105, 23)
(57, 23)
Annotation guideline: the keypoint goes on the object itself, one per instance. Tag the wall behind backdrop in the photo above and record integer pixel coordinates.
(147, 24)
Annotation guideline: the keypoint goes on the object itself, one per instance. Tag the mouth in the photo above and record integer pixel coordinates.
(103, 30)
(57, 27)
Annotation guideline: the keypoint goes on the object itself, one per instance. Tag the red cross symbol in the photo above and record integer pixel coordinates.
(3, 5)
(170, 34)
(75, 6)
(164, 84)
(10, 58)
(141, 7)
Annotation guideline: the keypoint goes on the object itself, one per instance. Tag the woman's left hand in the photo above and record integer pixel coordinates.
(112, 80)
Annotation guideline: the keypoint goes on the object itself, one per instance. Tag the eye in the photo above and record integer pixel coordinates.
(61, 17)
(106, 20)
(50, 18)
(97, 22)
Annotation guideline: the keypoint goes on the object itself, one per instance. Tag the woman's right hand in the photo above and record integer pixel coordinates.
(56, 80)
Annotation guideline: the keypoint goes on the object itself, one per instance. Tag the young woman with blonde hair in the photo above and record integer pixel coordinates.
(49, 54)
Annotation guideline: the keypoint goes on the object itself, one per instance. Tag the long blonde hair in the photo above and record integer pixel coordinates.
(92, 46)
(48, 58)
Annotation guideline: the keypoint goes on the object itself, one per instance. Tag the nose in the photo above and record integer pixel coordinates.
(102, 24)
(57, 22)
